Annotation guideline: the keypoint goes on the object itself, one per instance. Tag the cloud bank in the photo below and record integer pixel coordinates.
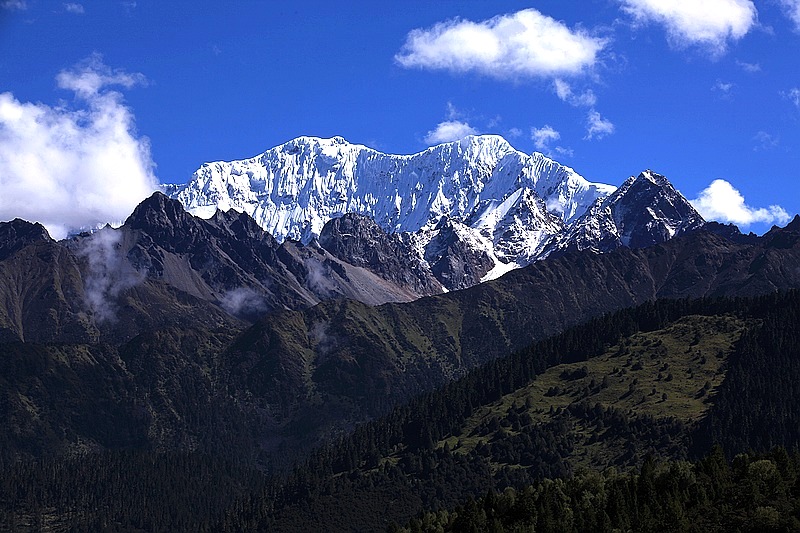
(708, 23)
(522, 44)
(77, 167)
(720, 201)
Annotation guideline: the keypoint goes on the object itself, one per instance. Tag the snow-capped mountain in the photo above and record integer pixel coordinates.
(472, 209)
(645, 210)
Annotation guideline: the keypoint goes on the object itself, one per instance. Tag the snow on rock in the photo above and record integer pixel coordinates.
(504, 207)
(645, 210)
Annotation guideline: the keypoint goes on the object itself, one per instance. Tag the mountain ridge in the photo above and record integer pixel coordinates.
(362, 359)
(274, 335)
(500, 208)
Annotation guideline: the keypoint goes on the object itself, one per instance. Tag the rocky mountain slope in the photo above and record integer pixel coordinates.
(165, 266)
(472, 209)
(645, 210)
(348, 360)
(134, 328)
(320, 355)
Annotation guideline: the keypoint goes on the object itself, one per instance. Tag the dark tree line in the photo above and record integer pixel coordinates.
(758, 493)
(122, 491)
(757, 405)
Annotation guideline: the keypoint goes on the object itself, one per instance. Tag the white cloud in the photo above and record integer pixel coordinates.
(514, 133)
(109, 273)
(794, 96)
(449, 130)
(12, 5)
(749, 67)
(563, 89)
(74, 8)
(792, 9)
(709, 23)
(564, 152)
(542, 137)
(565, 93)
(597, 127)
(725, 89)
(722, 202)
(522, 44)
(74, 167)
(765, 142)
(91, 75)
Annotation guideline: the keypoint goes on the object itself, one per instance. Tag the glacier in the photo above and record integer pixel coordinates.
(503, 207)
(507, 201)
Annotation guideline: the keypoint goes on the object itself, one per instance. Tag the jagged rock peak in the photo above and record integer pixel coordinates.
(360, 241)
(785, 237)
(18, 234)
(794, 225)
(645, 210)
(653, 177)
(731, 232)
(156, 210)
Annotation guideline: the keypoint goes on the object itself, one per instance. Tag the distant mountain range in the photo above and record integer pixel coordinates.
(471, 210)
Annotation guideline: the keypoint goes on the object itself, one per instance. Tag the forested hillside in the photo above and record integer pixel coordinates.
(754, 493)
(542, 413)
(431, 454)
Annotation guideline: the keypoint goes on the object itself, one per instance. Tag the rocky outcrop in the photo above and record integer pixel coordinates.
(359, 241)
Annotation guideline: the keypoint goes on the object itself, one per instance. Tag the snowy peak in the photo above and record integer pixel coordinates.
(470, 210)
(506, 205)
(293, 189)
(645, 210)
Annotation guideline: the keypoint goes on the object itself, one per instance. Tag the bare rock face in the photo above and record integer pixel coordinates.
(17, 234)
(41, 288)
(455, 261)
(165, 266)
(359, 241)
(644, 211)
(43, 296)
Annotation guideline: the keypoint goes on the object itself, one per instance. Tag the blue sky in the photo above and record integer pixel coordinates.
(101, 100)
